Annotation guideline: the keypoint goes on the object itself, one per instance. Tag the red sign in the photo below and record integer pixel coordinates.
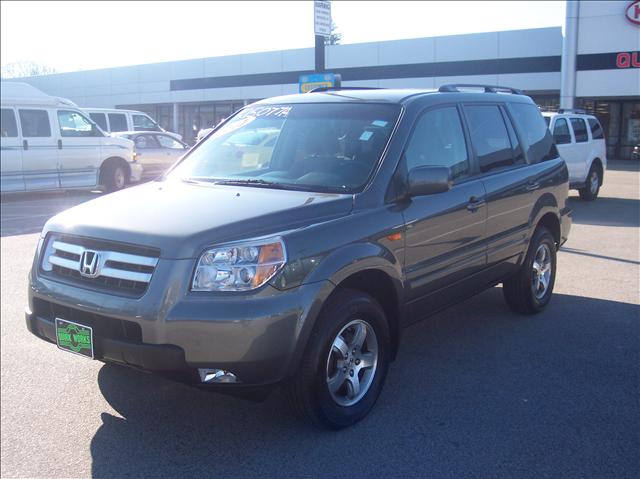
(633, 12)
(628, 60)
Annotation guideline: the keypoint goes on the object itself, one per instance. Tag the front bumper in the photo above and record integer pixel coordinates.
(258, 337)
(136, 170)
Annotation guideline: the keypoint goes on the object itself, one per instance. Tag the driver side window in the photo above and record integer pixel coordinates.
(438, 140)
(73, 124)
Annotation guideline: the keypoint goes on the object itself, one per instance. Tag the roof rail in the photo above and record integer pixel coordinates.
(338, 88)
(578, 111)
(454, 87)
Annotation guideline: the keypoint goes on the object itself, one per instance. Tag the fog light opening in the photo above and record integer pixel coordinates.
(216, 376)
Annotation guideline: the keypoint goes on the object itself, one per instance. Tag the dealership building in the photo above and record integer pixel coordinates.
(595, 65)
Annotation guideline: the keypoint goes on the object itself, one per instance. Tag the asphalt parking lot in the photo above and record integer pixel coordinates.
(476, 391)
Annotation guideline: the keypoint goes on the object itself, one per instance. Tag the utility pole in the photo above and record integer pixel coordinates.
(319, 54)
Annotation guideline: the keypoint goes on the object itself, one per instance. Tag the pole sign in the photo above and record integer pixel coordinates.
(322, 18)
(318, 80)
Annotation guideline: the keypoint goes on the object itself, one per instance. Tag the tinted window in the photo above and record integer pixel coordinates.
(143, 123)
(596, 129)
(489, 137)
(518, 155)
(8, 127)
(118, 122)
(561, 133)
(73, 124)
(438, 140)
(35, 123)
(100, 119)
(579, 130)
(534, 131)
(168, 142)
(145, 142)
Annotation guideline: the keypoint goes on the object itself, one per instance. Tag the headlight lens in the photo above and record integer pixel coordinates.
(239, 267)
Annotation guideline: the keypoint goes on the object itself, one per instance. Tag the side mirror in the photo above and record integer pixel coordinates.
(428, 180)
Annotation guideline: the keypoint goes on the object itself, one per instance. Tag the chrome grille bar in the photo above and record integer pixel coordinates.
(111, 264)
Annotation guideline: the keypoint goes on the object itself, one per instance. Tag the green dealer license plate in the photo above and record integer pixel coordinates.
(74, 337)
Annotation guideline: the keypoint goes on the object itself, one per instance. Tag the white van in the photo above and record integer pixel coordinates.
(47, 143)
(114, 120)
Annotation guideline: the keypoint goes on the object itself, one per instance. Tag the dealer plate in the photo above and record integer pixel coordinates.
(74, 338)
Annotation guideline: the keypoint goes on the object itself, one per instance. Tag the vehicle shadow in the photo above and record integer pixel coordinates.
(623, 165)
(476, 391)
(606, 211)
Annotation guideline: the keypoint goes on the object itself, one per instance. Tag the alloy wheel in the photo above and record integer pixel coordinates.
(541, 271)
(352, 363)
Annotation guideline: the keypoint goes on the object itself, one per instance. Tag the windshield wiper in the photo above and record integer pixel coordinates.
(259, 183)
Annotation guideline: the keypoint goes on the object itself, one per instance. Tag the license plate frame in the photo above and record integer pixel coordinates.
(72, 337)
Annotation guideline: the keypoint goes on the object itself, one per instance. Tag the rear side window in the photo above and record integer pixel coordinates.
(438, 140)
(118, 122)
(489, 137)
(143, 123)
(534, 131)
(168, 142)
(579, 130)
(145, 142)
(8, 127)
(561, 133)
(35, 123)
(100, 119)
(596, 129)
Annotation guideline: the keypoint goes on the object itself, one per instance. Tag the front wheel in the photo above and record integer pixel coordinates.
(529, 290)
(590, 191)
(345, 363)
(114, 176)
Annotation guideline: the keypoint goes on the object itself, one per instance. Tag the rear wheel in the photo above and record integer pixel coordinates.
(114, 176)
(530, 289)
(345, 363)
(590, 191)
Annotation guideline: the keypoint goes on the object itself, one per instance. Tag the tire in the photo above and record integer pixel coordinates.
(114, 176)
(524, 292)
(338, 406)
(592, 187)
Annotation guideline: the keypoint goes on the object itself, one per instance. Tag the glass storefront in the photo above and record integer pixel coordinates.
(621, 122)
(192, 117)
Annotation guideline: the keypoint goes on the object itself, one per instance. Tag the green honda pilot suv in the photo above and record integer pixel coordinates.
(295, 242)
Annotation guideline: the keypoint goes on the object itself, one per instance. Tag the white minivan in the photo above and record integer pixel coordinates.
(47, 143)
(113, 120)
(580, 141)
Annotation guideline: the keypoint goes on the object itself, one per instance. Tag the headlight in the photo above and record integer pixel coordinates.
(239, 267)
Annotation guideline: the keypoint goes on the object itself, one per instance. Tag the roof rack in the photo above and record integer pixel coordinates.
(454, 87)
(338, 88)
(578, 111)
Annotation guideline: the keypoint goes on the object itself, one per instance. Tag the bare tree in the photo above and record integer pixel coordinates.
(25, 69)
(335, 38)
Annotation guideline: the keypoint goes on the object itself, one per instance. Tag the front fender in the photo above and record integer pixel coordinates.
(336, 267)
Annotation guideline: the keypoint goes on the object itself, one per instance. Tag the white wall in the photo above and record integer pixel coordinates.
(148, 84)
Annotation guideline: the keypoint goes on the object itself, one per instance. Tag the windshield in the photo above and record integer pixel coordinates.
(311, 147)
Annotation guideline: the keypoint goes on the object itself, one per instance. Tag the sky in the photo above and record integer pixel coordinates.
(71, 36)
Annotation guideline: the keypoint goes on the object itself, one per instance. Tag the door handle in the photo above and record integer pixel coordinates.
(533, 185)
(474, 204)
(59, 144)
(25, 144)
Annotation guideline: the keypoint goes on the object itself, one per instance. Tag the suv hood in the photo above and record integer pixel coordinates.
(182, 219)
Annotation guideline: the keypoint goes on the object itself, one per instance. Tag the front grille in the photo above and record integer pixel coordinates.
(103, 326)
(118, 267)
